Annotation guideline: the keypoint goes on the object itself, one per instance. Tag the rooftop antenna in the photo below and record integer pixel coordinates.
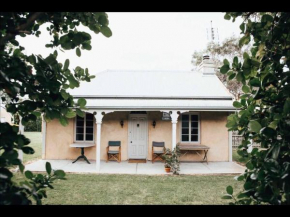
(213, 32)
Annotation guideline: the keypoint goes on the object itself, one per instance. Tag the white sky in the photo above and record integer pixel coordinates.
(145, 41)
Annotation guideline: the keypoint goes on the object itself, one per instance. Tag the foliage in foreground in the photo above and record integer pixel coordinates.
(32, 85)
(264, 109)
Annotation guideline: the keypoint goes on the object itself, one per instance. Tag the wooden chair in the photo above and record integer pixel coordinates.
(114, 154)
(156, 154)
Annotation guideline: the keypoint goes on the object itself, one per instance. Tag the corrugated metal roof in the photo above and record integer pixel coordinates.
(155, 89)
(176, 84)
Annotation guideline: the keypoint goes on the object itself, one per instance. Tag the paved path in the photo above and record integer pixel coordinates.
(137, 168)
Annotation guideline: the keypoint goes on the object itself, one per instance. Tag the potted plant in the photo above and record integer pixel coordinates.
(175, 154)
(167, 160)
(171, 160)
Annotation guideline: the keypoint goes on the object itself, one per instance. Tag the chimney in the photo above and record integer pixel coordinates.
(207, 66)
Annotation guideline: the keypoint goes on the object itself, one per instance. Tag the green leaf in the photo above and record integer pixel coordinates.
(237, 104)
(70, 114)
(255, 82)
(240, 178)
(254, 126)
(48, 167)
(242, 195)
(224, 69)
(242, 27)
(244, 40)
(64, 94)
(78, 52)
(31, 59)
(286, 107)
(82, 102)
(230, 190)
(227, 197)
(28, 150)
(63, 121)
(80, 113)
(21, 167)
(28, 174)
(66, 64)
(232, 76)
(103, 20)
(73, 82)
(250, 166)
(268, 131)
(273, 124)
(226, 62)
(106, 31)
(275, 152)
(246, 55)
(255, 62)
(227, 17)
(37, 114)
(246, 89)
(59, 174)
(36, 27)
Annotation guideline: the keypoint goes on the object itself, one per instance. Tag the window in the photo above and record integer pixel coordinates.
(190, 128)
(85, 128)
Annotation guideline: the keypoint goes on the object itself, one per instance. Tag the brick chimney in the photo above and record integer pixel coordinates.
(207, 66)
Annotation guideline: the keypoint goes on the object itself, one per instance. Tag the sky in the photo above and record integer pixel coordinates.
(142, 41)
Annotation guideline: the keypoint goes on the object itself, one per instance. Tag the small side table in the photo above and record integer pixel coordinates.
(82, 147)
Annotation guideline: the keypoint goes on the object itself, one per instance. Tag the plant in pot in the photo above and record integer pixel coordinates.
(171, 160)
(167, 160)
(175, 154)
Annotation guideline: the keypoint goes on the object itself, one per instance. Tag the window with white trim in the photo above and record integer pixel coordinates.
(190, 128)
(84, 128)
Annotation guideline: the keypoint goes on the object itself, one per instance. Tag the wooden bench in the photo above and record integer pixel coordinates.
(191, 147)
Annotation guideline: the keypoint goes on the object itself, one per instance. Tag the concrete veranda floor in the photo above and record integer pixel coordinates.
(148, 168)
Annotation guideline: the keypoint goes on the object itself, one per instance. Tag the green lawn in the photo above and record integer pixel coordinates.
(35, 143)
(139, 189)
(134, 189)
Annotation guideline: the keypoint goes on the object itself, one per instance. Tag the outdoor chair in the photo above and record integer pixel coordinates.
(157, 154)
(114, 153)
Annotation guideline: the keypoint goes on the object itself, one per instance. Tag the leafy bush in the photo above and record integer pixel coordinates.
(264, 109)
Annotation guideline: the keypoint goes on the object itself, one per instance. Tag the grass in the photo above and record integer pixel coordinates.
(35, 143)
(85, 189)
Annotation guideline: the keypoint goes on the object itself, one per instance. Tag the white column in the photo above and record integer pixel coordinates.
(99, 118)
(250, 147)
(230, 146)
(21, 131)
(43, 131)
(174, 116)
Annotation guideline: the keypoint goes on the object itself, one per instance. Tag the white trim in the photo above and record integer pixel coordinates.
(43, 138)
(190, 113)
(75, 131)
(147, 134)
(21, 131)
(230, 146)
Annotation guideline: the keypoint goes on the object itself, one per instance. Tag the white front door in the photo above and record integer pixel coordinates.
(138, 129)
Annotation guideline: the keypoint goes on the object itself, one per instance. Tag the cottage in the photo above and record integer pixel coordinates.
(139, 107)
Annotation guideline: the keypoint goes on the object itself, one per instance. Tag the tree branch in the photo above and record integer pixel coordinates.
(19, 29)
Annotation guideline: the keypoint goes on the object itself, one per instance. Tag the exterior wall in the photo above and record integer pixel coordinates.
(213, 134)
(5, 116)
(161, 132)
